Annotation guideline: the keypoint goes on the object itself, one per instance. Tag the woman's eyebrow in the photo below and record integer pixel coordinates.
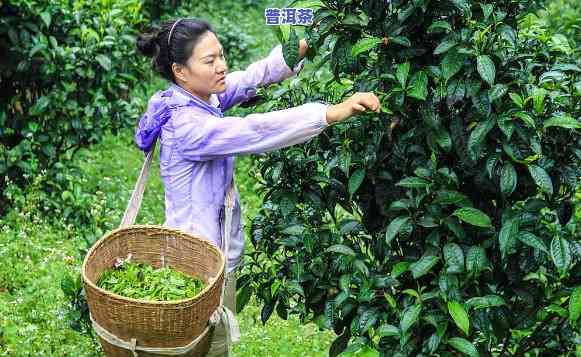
(213, 54)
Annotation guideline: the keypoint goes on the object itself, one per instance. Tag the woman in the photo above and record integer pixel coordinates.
(198, 143)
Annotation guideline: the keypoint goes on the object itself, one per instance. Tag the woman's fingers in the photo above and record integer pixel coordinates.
(358, 107)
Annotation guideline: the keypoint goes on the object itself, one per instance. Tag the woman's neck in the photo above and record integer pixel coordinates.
(205, 98)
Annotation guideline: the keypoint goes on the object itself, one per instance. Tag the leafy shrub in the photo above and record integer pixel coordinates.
(443, 224)
(65, 81)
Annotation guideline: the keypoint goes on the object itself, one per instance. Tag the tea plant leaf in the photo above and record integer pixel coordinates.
(410, 317)
(508, 236)
(575, 305)
(464, 346)
(394, 228)
(290, 49)
(419, 86)
(451, 64)
(533, 241)
(562, 121)
(364, 45)
(473, 216)
(459, 316)
(401, 73)
(486, 68)
(541, 178)
(355, 180)
(413, 182)
(508, 179)
(423, 265)
(444, 46)
(483, 302)
(341, 249)
(454, 257)
(561, 254)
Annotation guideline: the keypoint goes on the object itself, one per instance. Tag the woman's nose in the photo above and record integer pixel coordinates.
(222, 66)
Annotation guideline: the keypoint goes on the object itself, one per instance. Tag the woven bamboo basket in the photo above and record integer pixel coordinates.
(157, 324)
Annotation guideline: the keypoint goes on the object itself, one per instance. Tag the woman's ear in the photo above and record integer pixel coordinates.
(179, 72)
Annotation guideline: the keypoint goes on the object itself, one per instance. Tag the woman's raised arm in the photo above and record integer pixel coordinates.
(204, 137)
(241, 85)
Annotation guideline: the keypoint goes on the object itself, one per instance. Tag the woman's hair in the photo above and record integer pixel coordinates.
(185, 35)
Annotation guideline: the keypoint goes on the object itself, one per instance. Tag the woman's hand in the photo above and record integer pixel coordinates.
(355, 104)
(303, 47)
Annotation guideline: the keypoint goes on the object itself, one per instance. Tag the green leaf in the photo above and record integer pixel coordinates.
(561, 254)
(464, 6)
(473, 216)
(345, 161)
(423, 265)
(539, 95)
(454, 257)
(290, 49)
(419, 86)
(45, 16)
(294, 230)
(355, 180)
(394, 228)
(401, 40)
(451, 64)
(533, 241)
(497, 91)
(464, 346)
(364, 45)
(447, 197)
(491, 162)
(541, 178)
(486, 68)
(444, 46)
(483, 302)
(477, 137)
(443, 139)
(104, 61)
(575, 305)
(486, 10)
(341, 249)
(401, 73)
(399, 269)
(459, 316)
(526, 118)
(508, 179)
(507, 236)
(563, 121)
(388, 330)
(476, 260)
(410, 317)
(439, 25)
(413, 182)
(455, 91)
(516, 99)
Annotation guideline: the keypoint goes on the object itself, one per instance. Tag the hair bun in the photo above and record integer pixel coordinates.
(147, 44)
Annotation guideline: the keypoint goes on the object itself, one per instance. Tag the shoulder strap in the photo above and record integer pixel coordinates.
(137, 194)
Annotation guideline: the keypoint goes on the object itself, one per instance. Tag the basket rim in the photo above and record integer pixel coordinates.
(107, 235)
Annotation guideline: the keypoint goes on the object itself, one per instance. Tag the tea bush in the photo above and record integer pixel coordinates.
(442, 225)
(66, 79)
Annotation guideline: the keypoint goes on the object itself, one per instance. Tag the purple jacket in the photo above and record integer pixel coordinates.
(199, 143)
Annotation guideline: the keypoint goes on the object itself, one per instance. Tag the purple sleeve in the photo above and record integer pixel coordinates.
(206, 137)
(241, 85)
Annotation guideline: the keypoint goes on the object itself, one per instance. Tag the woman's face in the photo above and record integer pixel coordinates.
(206, 68)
